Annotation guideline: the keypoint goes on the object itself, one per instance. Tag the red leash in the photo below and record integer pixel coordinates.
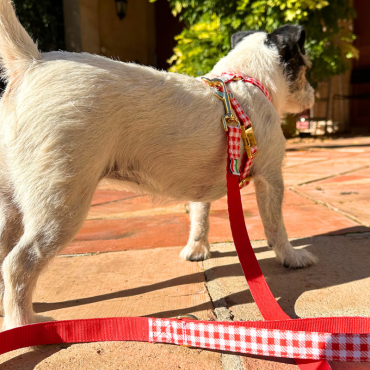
(309, 341)
(306, 340)
(258, 287)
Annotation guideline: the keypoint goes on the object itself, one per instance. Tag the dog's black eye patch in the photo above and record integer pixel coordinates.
(289, 40)
(239, 36)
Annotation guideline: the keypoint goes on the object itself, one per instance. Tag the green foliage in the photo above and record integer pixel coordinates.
(212, 22)
(43, 19)
(200, 46)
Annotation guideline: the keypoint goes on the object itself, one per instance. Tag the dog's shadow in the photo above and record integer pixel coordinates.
(342, 259)
(29, 359)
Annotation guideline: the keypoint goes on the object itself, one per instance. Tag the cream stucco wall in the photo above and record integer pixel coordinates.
(102, 32)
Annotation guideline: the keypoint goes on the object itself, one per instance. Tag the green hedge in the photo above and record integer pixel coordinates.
(43, 19)
(210, 23)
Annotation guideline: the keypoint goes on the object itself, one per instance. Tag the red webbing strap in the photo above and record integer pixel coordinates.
(207, 334)
(75, 331)
(258, 287)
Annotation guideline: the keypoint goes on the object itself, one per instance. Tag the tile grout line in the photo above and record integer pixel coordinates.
(328, 206)
(332, 176)
(303, 164)
(222, 312)
(322, 148)
(116, 201)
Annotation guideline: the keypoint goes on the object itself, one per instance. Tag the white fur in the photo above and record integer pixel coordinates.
(68, 120)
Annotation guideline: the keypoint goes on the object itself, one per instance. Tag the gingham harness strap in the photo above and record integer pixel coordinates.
(244, 124)
(309, 341)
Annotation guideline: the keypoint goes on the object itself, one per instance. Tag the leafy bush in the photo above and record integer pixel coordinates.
(43, 19)
(210, 23)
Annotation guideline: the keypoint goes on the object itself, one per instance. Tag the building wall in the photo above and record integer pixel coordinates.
(326, 102)
(100, 31)
(360, 113)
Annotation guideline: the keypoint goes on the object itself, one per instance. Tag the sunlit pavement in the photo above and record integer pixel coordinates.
(124, 262)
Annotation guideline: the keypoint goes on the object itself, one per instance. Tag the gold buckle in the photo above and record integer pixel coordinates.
(247, 179)
(249, 141)
(247, 134)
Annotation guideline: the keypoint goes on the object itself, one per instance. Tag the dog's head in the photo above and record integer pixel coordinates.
(287, 42)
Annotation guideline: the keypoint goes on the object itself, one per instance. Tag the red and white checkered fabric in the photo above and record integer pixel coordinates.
(228, 77)
(244, 120)
(234, 142)
(265, 342)
(233, 149)
(247, 166)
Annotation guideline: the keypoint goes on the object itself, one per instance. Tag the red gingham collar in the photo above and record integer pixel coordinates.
(229, 77)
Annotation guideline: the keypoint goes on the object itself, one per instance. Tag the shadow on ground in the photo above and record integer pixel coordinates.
(29, 360)
(342, 259)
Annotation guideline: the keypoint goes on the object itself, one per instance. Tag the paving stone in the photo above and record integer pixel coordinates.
(261, 363)
(317, 171)
(360, 142)
(349, 193)
(172, 229)
(138, 206)
(107, 196)
(113, 356)
(337, 285)
(131, 233)
(134, 283)
(342, 275)
(302, 218)
(294, 160)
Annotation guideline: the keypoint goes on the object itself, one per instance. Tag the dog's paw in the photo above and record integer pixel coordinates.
(297, 258)
(196, 251)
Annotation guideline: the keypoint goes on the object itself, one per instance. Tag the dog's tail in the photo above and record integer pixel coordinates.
(17, 49)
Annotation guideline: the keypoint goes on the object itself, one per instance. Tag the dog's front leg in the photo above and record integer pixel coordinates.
(198, 246)
(270, 194)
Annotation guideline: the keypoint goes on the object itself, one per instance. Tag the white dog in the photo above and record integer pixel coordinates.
(69, 120)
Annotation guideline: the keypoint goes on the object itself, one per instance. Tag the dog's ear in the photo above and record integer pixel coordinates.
(289, 40)
(239, 36)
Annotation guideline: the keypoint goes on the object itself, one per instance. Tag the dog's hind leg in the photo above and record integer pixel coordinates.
(11, 230)
(11, 227)
(198, 246)
(270, 194)
(47, 229)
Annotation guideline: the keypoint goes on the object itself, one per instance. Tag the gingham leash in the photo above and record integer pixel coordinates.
(309, 341)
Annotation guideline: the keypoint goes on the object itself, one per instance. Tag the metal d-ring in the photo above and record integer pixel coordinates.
(224, 96)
